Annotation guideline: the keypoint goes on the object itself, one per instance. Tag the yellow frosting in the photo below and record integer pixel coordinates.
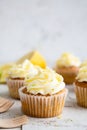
(84, 63)
(82, 75)
(67, 60)
(21, 70)
(45, 82)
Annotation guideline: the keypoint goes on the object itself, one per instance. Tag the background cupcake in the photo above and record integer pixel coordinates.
(68, 66)
(17, 76)
(81, 87)
(44, 94)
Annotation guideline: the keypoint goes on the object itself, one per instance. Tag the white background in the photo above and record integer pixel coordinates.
(49, 26)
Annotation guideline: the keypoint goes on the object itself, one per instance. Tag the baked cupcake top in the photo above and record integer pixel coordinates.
(67, 60)
(45, 82)
(21, 70)
(84, 63)
(82, 75)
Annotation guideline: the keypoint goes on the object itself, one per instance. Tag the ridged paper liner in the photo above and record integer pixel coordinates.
(68, 75)
(42, 106)
(14, 85)
(81, 95)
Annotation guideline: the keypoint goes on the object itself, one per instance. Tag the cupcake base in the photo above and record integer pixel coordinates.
(13, 86)
(81, 93)
(69, 73)
(42, 106)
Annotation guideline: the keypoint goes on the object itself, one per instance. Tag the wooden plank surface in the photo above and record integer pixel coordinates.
(31, 127)
(73, 117)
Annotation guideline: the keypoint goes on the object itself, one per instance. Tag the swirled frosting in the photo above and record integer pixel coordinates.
(21, 70)
(45, 82)
(82, 75)
(68, 60)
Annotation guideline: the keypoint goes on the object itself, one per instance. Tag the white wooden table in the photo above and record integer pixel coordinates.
(73, 117)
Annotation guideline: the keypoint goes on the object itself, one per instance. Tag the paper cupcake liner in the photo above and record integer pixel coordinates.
(14, 85)
(81, 96)
(69, 76)
(42, 106)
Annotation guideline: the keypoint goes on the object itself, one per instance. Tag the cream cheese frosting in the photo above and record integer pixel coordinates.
(21, 70)
(68, 60)
(45, 82)
(82, 75)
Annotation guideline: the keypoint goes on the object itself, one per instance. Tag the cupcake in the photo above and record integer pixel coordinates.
(43, 95)
(68, 66)
(17, 76)
(81, 87)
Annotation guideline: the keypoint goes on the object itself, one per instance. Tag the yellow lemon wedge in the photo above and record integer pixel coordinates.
(35, 57)
(4, 72)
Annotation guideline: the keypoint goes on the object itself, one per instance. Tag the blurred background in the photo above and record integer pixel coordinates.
(49, 26)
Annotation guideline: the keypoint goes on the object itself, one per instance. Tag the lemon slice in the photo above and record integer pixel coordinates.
(4, 72)
(35, 57)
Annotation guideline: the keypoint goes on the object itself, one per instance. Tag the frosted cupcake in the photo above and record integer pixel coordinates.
(68, 66)
(44, 94)
(81, 87)
(17, 76)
